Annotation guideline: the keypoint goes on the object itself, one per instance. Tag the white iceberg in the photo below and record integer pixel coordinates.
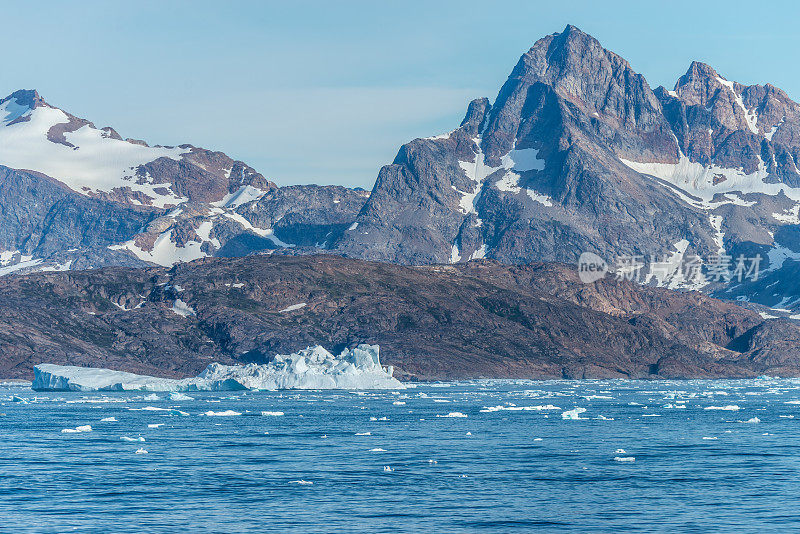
(311, 368)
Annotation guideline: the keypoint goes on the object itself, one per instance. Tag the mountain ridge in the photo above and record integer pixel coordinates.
(481, 319)
(577, 153)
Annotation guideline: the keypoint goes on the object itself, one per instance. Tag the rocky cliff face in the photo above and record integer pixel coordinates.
(480, 319)
(577, 154)
(75, 196)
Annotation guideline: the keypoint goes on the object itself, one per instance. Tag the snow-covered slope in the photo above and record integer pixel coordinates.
(77, 196)
(312, 368)
(84, 158)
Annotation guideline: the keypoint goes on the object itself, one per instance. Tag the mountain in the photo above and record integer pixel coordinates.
(77, 196)
(578, 154)
(477, 319)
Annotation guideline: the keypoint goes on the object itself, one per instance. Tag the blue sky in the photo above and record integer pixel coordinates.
(326, 92)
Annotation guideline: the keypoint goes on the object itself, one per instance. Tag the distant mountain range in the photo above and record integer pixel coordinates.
(577, 153)
(75, 197)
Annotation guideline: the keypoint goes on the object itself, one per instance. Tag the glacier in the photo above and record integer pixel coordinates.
(310, 368)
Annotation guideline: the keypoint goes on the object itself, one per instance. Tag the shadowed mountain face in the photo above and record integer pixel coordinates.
(481, 319)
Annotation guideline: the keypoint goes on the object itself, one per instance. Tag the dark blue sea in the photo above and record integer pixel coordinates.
(499, 456)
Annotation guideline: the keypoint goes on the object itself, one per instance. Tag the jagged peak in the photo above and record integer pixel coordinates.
(477, 111)
(26, 97)
(698, 71)
(557, 53)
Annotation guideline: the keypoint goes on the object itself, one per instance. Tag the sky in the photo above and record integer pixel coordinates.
(327, 92)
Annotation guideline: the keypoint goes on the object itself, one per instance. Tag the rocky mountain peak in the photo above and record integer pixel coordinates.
(26, 97)
(701, 84)
(477, 112)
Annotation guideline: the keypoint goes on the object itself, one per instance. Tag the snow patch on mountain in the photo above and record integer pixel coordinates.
(749, 115)
(706, 181)
(243, 195)
(518, 161)
(179, 307)
(25, 262)
(789, 216)
(165, 251)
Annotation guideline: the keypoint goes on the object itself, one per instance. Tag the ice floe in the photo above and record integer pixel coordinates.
(177, 396)
(77, 429)
(225, 413)
(573, 414)
(311, 368)
(489, 409)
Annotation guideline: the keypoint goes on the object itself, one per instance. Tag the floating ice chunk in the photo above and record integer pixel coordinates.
(453, 414)
(19, 399)
(752, 420)
(151, 397)
(537, 439)
(489, 409)
(167, 411)
(573, 414)
(175, 396)
(311, 368)
(399, 403)
(108, 419)
(709, 438)
(377, 449)
(155, 425)
(651, 415)
(141, 451)
(363, 433)
(273, 414)
(126, 438)
(387, 469)
(728, 408)
(301, 482)
(624, 459)
(225, 413)
(620, 451)
(77, 429)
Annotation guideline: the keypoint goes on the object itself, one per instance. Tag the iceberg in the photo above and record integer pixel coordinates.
(311, 368)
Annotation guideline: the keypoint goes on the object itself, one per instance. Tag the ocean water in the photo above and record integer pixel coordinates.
(491, 456)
